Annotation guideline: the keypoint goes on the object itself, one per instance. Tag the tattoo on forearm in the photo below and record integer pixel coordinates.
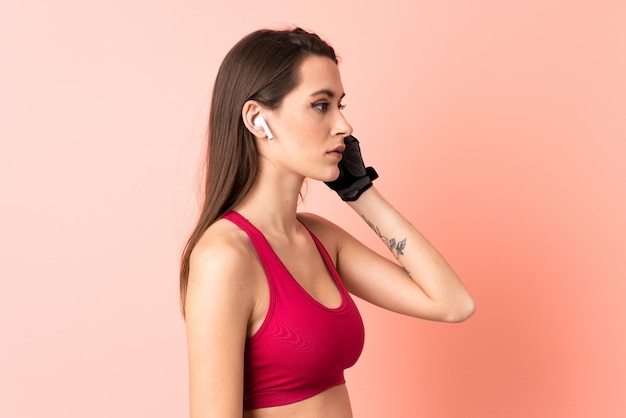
(396, 247)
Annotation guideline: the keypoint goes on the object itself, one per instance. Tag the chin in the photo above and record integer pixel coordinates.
(329, 173)
(332, 176)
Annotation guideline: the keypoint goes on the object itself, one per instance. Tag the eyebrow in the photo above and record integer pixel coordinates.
(328, 93)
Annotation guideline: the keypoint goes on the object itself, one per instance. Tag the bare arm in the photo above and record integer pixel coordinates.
(424, 285)
(218, 306)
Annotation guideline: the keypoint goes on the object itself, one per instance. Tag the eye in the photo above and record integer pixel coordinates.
(321, 106)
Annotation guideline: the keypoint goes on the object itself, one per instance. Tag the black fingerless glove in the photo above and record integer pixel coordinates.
(354, 178)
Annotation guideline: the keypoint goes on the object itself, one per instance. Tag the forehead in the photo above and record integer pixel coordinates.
(319, 73)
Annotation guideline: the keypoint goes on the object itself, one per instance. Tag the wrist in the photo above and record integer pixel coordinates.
(367, 198)
(350, 188)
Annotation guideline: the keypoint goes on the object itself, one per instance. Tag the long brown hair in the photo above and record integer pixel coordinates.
(263, 66)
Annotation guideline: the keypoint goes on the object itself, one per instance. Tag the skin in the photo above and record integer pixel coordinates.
(228, 295)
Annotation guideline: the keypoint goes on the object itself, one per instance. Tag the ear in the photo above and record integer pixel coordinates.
(249, 112)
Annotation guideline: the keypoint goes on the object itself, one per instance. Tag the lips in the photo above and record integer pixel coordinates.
(340, 149)
(337, 152)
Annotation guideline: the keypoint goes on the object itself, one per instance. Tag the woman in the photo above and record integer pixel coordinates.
(264, 289)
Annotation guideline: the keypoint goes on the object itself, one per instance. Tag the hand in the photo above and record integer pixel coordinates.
(354, 178)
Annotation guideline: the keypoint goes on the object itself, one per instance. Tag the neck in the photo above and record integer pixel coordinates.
(271, 203)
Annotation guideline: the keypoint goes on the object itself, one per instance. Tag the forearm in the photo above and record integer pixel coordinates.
(420, 260)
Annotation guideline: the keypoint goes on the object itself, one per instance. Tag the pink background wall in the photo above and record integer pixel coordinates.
(499, 128)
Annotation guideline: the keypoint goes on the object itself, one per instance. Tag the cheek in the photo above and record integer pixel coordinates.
(302, 132)
(303, 126)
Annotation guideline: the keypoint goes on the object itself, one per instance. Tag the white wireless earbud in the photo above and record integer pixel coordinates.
(260, 121)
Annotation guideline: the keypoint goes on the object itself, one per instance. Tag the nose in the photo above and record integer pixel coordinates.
(342, 127)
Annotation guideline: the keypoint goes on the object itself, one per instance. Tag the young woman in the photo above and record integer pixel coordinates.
(265, 290)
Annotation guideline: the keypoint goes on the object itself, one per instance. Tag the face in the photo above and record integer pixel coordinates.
(309, 126)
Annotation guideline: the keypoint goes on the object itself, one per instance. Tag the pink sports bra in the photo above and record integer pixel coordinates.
(302, 347)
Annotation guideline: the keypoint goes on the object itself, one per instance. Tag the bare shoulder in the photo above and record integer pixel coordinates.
(223, 246)
(222, 243)
(221, 264)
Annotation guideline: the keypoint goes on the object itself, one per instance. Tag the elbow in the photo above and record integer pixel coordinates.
(461, 311)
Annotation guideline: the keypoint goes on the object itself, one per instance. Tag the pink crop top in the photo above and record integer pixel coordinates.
(302, 347)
